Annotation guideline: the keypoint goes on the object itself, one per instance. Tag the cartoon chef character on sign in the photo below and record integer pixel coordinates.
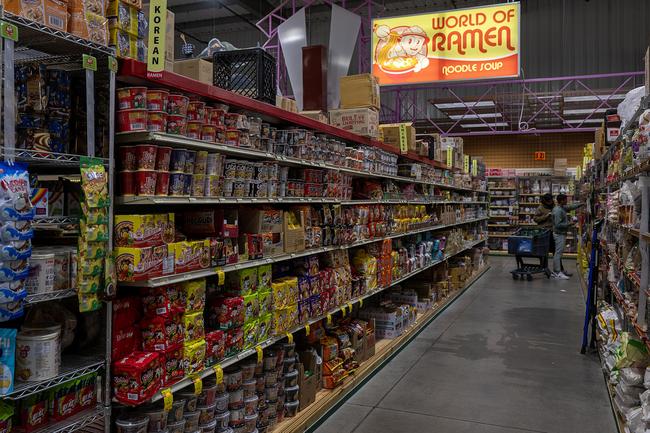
(401, 49)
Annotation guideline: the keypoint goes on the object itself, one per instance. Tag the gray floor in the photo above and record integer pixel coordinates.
(504, 358)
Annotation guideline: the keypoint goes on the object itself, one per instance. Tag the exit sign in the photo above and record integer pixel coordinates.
(540, 156)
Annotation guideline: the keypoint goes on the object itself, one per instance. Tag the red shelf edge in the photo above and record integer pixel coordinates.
(136, 69)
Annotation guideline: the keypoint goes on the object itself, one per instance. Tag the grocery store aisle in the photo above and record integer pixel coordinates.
(504, 358)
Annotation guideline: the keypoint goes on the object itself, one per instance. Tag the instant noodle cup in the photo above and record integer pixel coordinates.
(162, 183)
(177, 104)
(201, 162)
(220, 136)
(198, 185)
(127, 158)
(190, 158)
(145, 182)
(187, 185)
(157, 99)
(196, 111)
(176, 124)
(157, 121)
(127, 182)
(176, 184)
(132, 120)
(163, 158)
(194, 129)
(208, 132)
(213, 185)
(216, 116)
(130, 98)
(177, 160)
(232, 137)
(146, 156)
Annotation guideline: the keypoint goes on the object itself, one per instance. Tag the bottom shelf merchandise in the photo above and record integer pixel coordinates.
(286, 386)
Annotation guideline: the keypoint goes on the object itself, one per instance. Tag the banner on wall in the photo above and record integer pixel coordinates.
(461, 44)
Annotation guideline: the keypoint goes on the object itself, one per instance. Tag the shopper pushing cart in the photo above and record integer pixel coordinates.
(561, 226)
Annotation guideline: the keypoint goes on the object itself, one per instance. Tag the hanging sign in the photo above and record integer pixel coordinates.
(156, 47)
(461, 44)
(403, 139)
(465, 163)
(474, 167)
(8, 31)
(450, 157)
(540, 156)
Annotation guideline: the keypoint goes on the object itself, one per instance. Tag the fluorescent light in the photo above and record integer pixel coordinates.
(585, 111)
(484, 125)
(475, 116)
(579, 121)
(592, 98)
(465, 105)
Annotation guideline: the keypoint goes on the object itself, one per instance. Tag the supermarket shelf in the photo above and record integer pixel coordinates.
(499, 252)
(269, 342)
(166, 200)
(76, 422)
(531, 194)
(49, 159)
(499, 207)
(188, 276)
(174, 140)
(134, 72)
(49, 296)
(493, 197)
(72, 367)
(527, 213)
(513, 188)
(328, 400)
(57, 221)
(500, 235)
(47, 40)
(501, 225)
(503, 216)
(528, 204)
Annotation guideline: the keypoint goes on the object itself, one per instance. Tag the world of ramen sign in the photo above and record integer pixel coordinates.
(463, 44)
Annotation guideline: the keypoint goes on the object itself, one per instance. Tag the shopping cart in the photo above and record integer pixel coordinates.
(530, 243)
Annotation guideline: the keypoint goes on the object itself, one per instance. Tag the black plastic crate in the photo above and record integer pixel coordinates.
(249, 72)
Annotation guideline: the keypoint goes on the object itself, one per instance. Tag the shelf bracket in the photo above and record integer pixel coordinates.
(9, 94)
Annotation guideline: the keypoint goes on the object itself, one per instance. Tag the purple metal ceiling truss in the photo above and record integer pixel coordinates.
(400, 103)
(268, 25)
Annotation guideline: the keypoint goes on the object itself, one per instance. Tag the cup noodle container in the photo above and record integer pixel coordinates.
(145, 182)
(131, 120)
(177, 104)
(157, 99)
(157, 121)
(41, 273)
(196, 111)
(146, 156)
(38, 354)
(129, 98)
(126, 182)
(201, 162)
(163, 158)
(194, 129)
(127, 158)
(162, 183)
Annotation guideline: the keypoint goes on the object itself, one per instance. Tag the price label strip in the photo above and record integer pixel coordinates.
(218, 371)
(198, 384)
(260, 354)
(290, 337)
(307, 329)
(221, 277)
(329, 319)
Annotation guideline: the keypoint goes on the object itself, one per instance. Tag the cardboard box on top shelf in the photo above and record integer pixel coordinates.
(310, 376)
(316, 115)
(362, 121)
(560, 167)
(422, 147)
(358, 91)
(294, 231)
(52, 13)
(197, 69)
(390, 133)
(268, 223)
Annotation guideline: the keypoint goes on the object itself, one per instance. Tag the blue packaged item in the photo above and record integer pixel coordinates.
(7, 360)
(16, 231)
(12, 291)
(14, 270)
(15, 204)
(59, 129)
(16, 250)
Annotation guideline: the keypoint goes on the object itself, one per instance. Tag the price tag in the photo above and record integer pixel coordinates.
(360, 303)
(329, 319)
(112, 64)
(89, 62)
(218, 371)
(260, 354)
(8, 31)
(221, 277)
(290, 337)
(343, 310)
(168, 399)
(307, 329)
(350, 307)
(403, 139)
(198, 385)
(450, 157)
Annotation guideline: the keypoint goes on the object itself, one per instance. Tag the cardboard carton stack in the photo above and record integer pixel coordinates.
(286, 103)
(197, 69)
(453, 145)
(560, 167)
(391, 135)
(128, 29)
(359, 112)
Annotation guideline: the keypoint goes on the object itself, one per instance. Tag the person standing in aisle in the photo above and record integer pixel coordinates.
(560, 227)
(544, 219)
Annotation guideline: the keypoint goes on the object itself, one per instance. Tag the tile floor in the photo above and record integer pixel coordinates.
(504, 358)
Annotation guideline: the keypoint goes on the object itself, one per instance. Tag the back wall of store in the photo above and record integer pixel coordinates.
(518, 151)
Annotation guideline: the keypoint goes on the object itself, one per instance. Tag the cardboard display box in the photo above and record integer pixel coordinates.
(359, 91)
(294, 237)
(316, 115)
(362, 121)
(560, 166)
(268, 223)
(369, 341)
(197, 69)
(390, 133)
(309, 385)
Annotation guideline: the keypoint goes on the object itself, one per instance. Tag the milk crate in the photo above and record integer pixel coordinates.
(249, 72)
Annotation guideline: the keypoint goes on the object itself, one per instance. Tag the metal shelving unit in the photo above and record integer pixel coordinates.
(43, 45)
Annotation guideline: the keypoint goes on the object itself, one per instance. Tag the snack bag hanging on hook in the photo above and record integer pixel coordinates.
(15, 191)
(94, 183)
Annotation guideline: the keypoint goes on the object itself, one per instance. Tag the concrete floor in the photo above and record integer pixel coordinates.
(503, 358)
